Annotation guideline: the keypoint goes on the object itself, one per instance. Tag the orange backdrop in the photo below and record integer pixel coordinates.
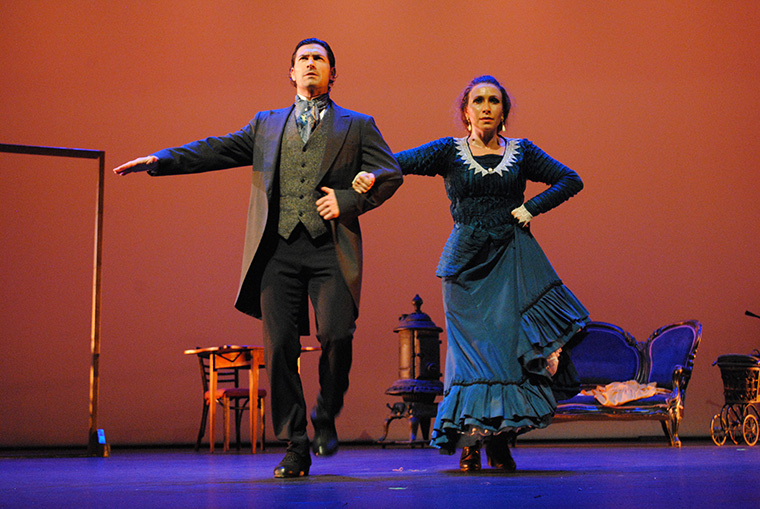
(653, 103)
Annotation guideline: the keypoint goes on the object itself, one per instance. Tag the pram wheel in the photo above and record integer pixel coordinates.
(717, 430)
(750, 429)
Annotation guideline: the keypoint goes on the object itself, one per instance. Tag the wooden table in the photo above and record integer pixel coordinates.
(240, 356)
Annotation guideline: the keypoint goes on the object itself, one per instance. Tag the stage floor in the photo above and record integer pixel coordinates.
(561, 475)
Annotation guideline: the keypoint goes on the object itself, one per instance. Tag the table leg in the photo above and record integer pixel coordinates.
(253, 405)
(226, 422)
(257, 358)
(212, 400)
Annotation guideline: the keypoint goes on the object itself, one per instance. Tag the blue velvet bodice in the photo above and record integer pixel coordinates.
(482, 199)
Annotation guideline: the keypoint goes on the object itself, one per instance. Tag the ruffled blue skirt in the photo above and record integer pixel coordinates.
(506, 311)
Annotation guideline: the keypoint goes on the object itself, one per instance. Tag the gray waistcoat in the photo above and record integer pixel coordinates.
(299, 169)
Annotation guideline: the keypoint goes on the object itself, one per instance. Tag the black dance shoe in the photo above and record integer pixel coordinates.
(470, 459)
(293, 465)
(499, 457)
(325, 441)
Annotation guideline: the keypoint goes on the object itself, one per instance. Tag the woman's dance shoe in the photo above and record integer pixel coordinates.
(470, 459)
(499, 457)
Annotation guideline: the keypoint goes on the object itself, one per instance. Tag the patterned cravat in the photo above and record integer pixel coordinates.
(307, 114)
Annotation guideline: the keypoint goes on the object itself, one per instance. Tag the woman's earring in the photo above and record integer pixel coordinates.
(469, 126)
(503, 124)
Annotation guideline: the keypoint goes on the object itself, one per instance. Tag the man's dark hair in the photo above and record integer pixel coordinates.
(313, 40)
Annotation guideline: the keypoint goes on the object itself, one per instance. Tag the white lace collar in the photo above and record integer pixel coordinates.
(510, 156)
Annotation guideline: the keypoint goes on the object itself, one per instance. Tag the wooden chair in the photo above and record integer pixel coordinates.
(230, 395)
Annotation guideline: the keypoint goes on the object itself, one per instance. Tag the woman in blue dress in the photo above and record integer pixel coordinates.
(508, 314)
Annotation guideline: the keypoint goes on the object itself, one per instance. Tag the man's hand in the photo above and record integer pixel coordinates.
(327, 206)
(363, 182)
(136, 165)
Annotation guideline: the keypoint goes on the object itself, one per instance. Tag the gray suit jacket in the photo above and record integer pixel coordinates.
(355, 145)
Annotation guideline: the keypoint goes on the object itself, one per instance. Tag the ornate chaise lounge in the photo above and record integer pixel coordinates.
(604, 353)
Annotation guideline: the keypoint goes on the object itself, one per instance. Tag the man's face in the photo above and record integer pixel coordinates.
(311, 71)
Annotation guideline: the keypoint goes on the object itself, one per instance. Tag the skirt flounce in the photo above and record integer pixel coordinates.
(481, 409)
(547, 325)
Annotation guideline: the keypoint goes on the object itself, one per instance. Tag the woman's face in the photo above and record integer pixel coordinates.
(484, 108)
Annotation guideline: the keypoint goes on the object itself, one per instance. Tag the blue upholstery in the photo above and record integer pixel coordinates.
(580, 399)
(669, 347)
(603, 353)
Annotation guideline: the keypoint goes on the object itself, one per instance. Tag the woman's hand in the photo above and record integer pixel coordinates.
(363, 182)
(522, 215)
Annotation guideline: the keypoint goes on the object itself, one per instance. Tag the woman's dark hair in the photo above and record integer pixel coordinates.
(330, 56)
(506, 103)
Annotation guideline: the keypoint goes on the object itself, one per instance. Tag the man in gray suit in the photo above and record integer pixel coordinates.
(302, 237)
